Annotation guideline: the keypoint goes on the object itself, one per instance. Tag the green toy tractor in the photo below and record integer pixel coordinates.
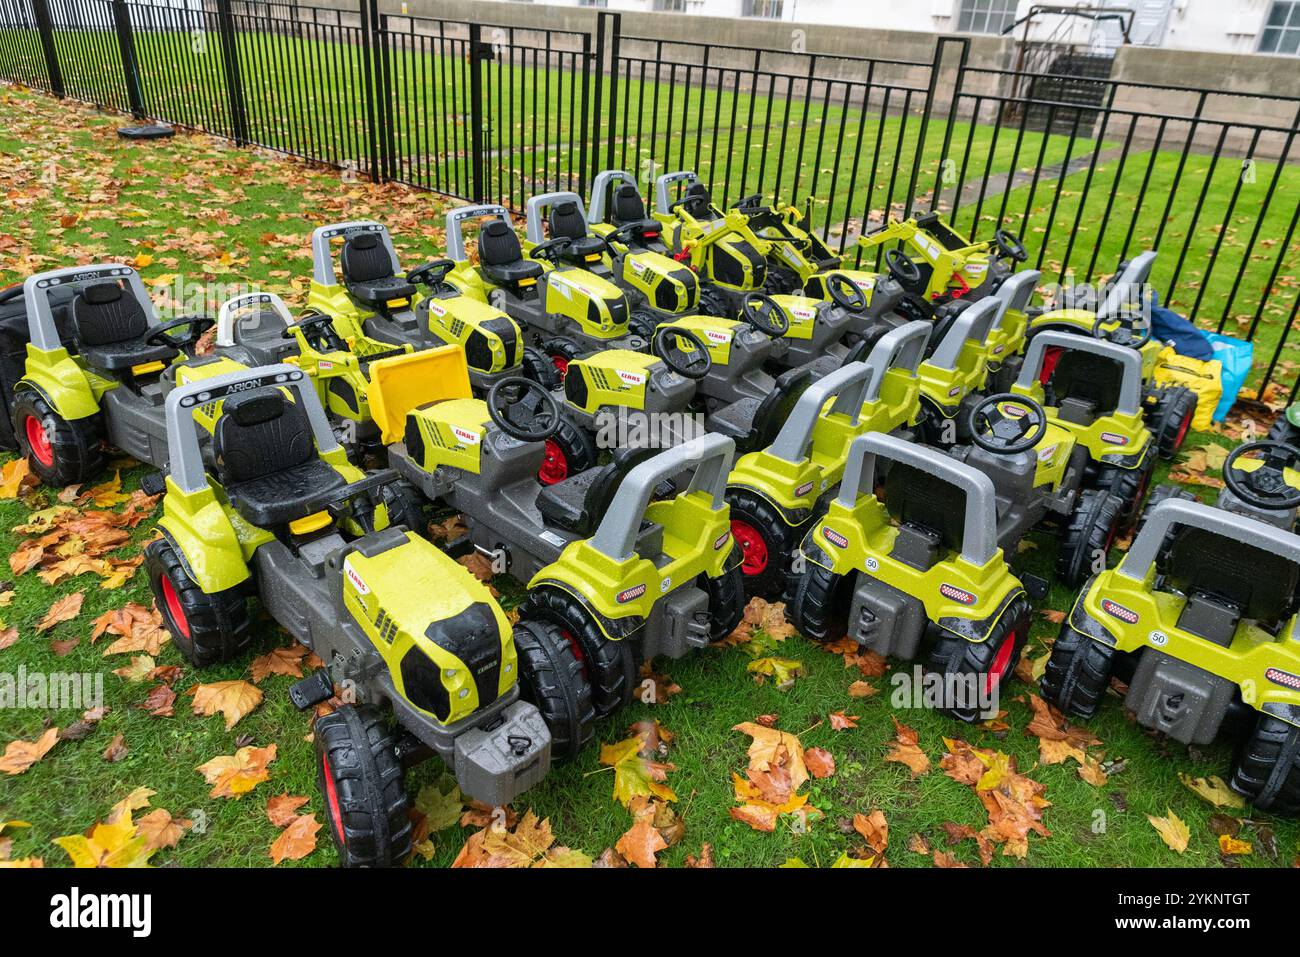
(565, 310)
(776, 492)
(99, 367)
(403, 629)
(376, 301)
(622, 578)
(1200, 619)
(657, 286)
(956, 370)
(720, 247)
(1120, 312)
(916, 568)
(1260, 481)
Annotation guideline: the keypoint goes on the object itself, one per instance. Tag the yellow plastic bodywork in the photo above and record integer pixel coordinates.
(947, 387)
(71, 389)
(614, 377)
(568, 293)
(952, 270)
(717, 334)
(452, 431)
(802, 312)
(396, 594)
(1117, 434)
(453, 319)
(402, 383)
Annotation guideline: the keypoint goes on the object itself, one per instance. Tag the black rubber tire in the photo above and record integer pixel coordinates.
(779, 538)
(1128, 485)
(714, 303)
(536, 365)
(611, 667)
(564, 348)
(577, 445)
(407, 506)
(77, 445)
(643, 323)
(1078, 673)
(218, 623)
(357, 762)
(819, 608)
(1169, 417)
(1266, 770)
(726, 601)
(1092, 528)
(953, 655)
(1159, 494)
(781, 282)
(551, 678)
(1283, 431)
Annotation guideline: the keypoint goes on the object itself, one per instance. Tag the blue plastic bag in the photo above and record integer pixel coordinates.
(1187, 340)
(1236, 356)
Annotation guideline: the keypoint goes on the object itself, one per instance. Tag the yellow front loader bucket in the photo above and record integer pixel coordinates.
(403, 383)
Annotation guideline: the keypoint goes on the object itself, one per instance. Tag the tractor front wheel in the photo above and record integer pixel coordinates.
(1078, 673)
(726, 602)
(569, 450)
(609, 666)
(536, 365)
(207, 628)
(1088, 537)
(562, 351)
(60, 451)
(551, 678)
(406, 506)
(989, 662)
(820, 606)
(1267, 768)
(714, 303)
(359, 773)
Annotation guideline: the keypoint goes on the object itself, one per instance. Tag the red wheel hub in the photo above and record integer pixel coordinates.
(332, 799)
(561, 364)
(1001, 661)
(752, 546)
(577, 649)
(38, 441)
(555, 466)
(174, 609)
(1182, 433)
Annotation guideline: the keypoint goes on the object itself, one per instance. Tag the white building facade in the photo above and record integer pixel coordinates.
(1220, 26)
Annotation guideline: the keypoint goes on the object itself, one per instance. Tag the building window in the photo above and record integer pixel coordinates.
(764, 9)
(670, 6)
(986, 16)
(1282, 30)
(593, 3)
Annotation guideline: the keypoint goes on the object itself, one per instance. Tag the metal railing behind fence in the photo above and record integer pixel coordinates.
(1089, 171)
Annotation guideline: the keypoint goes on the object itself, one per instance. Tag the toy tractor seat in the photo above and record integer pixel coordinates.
(501, 256)
(753, 422)
(111, 329)
(578, 503)
(567, 222)
(1254, 583)
(628, 208)
(1085, 385)
(931, 515)
(701, 203)
(368, 271)
(267, 461)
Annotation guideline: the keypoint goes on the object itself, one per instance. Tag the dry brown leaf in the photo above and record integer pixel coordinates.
(235, 775)
(20, 755)
(160, 830)
(874, 829)
(64, 609)
(297, 840)
(282, 810)
(233, 699)
(278, 661)
(820, 762)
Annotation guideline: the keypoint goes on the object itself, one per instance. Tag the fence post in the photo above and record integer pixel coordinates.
(606, 58)
(130, 68)
(935, 66)
(383, 91)
(948, 128)
(230, 67)
(367, 80)
(41, 14)
(476, 56)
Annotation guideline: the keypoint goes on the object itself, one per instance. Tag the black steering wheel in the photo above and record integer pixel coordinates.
(903, 269)
(627, 234)
(431, 273)
(995, 428)
(844, 292)
(1010, 246)
(514, 398)
(1123, 334)
(763, 313)
(197, 325)
(752, 201)
(552, 249)
(694, 364)
(319, 329)
(1265, 487)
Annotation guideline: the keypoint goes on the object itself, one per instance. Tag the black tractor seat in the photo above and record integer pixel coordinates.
(701, 203)
(262, 337)
(930, 512)
(368, 272)
(568, 223)
(578, 503)
(502, 258)
(628, 209)
(266, 458)
(111, 328)
(753, 422)
(1085, 385)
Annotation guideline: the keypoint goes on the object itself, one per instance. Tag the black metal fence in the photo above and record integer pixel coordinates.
(497, 113)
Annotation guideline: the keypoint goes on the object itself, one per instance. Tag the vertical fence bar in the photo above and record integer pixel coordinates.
(41, 12)
(476, 111)
(130, 69)
(230, 70)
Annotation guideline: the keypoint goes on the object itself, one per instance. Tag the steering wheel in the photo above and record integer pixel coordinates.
(1265, 487)
(318, 328)
(694, 364)
(431, 273)
(197, 325)
(358, 498)
(627, 234)
(514, 397)
(551, 249)
(844, 292)
(752, 201)
(903, 269)
(993, 430)
(1122, 334)
(684, 201)
(1010, 246)
(763, 313)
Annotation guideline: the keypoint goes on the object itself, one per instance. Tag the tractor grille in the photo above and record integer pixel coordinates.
(478, 353)
(505, 329)
(457, 326)
(474, 638)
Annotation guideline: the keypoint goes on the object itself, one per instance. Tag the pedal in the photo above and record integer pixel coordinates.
(312, 690)
(459, 547)
(154, 483)
(1035, 586)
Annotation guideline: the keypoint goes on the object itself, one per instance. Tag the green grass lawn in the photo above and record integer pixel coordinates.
(213, 214)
